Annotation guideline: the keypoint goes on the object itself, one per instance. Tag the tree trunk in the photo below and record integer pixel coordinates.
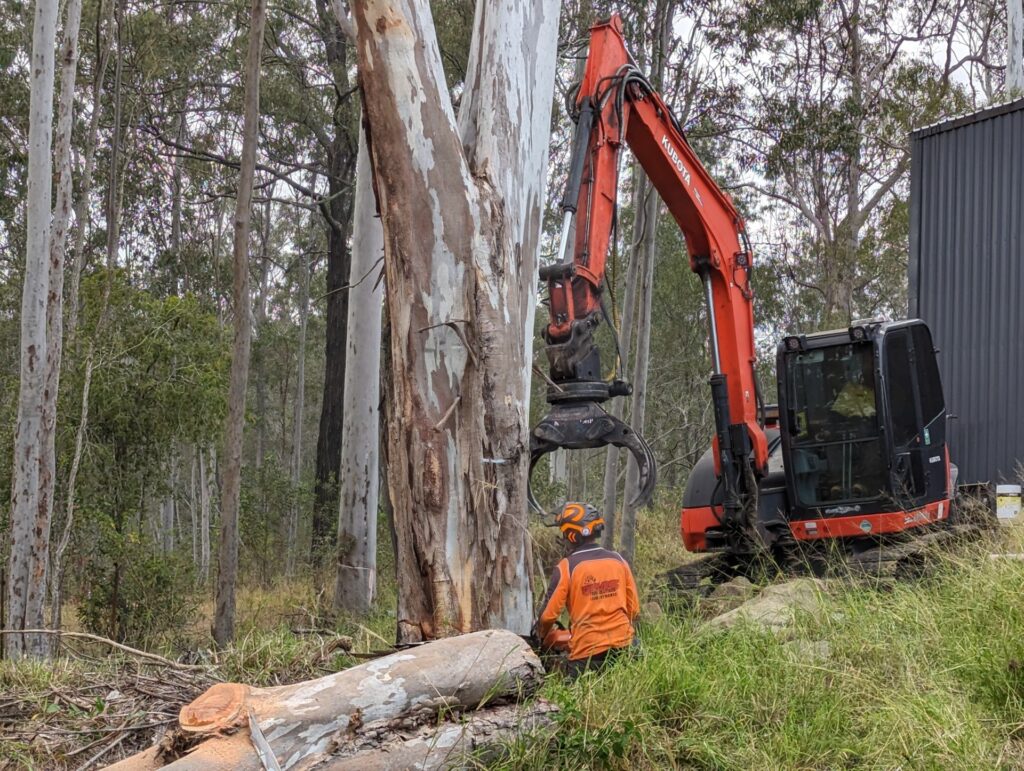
(31, 493)
(168, 507)
(205, 496)
(461, 206)
(337, 210)
(193, 508)
(298, 416)
(224, 619)
(360, 473)
(259, 360)
(104, 45)
(1015, 48)
(643, 191)
(643, 348)
(649, 248)
(381, 714)
(58, 243)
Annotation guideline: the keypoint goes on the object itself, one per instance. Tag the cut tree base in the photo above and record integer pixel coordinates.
(427, 707)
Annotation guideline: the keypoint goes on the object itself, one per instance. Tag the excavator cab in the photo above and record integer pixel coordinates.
(857, 444)
(863, 421)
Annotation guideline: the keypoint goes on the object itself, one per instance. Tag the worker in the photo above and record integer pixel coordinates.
(597, 587)
(857, 398)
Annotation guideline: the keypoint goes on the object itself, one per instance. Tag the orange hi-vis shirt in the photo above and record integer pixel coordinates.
(598, 588)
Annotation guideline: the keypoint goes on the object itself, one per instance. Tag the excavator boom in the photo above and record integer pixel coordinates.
(617, 106)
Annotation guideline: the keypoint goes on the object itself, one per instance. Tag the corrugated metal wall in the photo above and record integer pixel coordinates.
(967, 280)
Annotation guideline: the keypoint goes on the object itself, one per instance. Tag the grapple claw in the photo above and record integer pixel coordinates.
(584, 425)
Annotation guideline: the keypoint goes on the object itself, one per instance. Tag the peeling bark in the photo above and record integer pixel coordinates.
(461, 207)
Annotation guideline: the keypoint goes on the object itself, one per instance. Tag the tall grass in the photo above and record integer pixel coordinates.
(928, 675)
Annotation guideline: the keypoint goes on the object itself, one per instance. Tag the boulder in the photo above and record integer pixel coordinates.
(776, 607)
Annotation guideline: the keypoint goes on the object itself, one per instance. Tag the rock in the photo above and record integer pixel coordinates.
(727, 596)
(809, 651)
(652, 611)
(775, 608)
(737, 587)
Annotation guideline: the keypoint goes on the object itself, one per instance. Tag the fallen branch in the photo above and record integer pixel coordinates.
(107, 641)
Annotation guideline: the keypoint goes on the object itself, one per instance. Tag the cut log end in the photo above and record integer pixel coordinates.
(217, 709)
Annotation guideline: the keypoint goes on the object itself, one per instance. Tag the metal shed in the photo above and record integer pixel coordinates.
(967, 280)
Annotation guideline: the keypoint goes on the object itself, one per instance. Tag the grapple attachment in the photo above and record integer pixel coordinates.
(583, 425)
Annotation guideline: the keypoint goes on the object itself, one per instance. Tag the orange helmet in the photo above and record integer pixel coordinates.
(579, 520)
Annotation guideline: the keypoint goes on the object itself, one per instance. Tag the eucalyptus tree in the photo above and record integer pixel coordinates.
(224, 618)
(461, 206)
(831, 91)
(33, 478)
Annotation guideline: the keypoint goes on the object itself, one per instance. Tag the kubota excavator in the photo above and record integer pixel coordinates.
(854, 454)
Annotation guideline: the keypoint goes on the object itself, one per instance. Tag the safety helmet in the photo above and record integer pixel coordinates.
(579, 520)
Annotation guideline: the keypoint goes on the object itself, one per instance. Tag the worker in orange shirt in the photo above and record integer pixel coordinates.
(597, 587)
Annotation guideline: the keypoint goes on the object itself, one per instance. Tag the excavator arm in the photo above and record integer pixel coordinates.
(617, 106)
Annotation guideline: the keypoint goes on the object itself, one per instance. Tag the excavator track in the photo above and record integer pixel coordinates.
(881, 565)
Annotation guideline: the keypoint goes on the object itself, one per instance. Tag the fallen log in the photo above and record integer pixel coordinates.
(427, 707)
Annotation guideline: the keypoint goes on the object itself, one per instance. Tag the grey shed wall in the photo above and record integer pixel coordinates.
(967, 280)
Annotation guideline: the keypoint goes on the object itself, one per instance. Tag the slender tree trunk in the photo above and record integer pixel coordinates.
(1015, 47)
(298, 417)
(643, 191)
(224, 619)
(31, 493)
(649, 249)
(104, 44)
(177, 260)
(259, 360)
(58, 244)
(643, 347)
(360, 474)
(168, 507)
(337, 211)
(205, 496)
(193, 508)
(461, 205)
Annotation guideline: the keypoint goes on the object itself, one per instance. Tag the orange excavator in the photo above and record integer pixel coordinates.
(854, 454)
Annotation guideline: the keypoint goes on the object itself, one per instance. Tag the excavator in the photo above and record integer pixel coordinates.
(854, 454)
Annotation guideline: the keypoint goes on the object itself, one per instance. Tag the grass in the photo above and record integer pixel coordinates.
(929, 675)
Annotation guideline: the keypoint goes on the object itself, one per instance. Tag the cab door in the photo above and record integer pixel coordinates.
(916, 416)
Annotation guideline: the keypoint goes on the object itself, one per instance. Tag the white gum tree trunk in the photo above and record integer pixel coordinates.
(359, 478)
(30, 504)
(1015, 47)
(461, 204)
